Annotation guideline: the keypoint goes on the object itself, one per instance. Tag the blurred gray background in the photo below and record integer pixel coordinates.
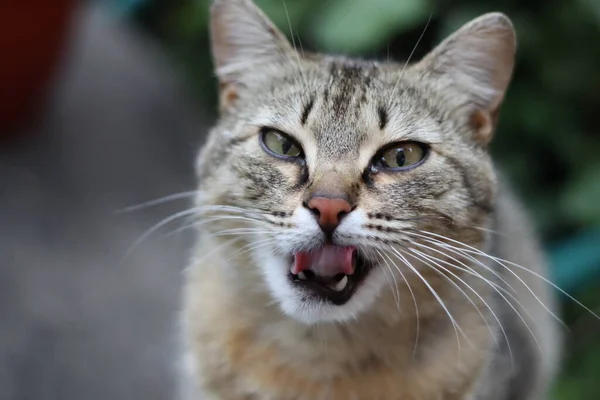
(116, 129)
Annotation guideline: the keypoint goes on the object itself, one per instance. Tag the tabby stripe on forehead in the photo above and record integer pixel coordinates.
(383, 117)
(307, 109)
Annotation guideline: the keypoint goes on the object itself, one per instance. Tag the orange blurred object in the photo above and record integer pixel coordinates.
(32, 38)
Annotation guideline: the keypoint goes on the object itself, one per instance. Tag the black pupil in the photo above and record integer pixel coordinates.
(400, 157)
(286, 145)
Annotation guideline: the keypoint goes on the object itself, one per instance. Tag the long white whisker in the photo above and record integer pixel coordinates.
(243, 217)
(498, 288)
(477, 251)
(456, 327)
(240, 231)
(253, 246)
(414, 301)
(458, 252)
(410, 57)
(431, 259)
(394, 286)
(302, 77)
(502, 261)
(205, 209)
(204, 221)
(151, 203)
(197, 211)
(432, 264)
(153, 229)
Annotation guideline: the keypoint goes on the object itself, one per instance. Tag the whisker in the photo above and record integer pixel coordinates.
(197, 224)
(219, 207)
(253, 246)
(196, 211)
(410, 57)
(217, 218)
(297, 56)
(388, 218)
(498, 288)
(455, 326)
(394, 286)
(501, 261)
(153, 229)
(252, 216)
(287, 15)
(474, 259)
(155, 202)
(239, 231)
(477, 251)
(427, 260)
(493, 334)
(414, 301)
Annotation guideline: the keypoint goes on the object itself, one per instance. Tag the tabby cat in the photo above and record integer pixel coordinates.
(356, 240)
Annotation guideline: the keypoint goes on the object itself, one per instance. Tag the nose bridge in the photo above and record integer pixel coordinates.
(332, 194)
(334, 182)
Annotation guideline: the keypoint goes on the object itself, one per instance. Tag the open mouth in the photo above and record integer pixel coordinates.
(331, 273)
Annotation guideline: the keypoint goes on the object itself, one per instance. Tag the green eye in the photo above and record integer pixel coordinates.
(280, 144)
(400, 156)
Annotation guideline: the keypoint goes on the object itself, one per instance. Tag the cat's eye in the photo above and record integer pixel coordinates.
(400, 156)
(280, 144)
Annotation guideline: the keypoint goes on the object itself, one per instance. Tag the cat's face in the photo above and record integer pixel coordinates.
(338, 167)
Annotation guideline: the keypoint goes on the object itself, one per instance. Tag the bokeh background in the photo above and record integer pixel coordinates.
(126, 100)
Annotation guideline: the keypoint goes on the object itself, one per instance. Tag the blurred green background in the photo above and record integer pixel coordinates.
(548, 140)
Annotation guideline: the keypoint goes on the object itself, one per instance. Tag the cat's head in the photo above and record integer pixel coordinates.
(332, 169)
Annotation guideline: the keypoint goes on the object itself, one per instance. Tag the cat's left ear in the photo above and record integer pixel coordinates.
(245, 43)
(473, 67)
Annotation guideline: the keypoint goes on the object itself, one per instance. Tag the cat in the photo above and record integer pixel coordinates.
(355, 239)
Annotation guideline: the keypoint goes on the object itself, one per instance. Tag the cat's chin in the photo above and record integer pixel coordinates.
(310, 302)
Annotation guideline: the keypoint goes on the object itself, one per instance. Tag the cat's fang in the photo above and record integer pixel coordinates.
(341, 285)
(302, 276)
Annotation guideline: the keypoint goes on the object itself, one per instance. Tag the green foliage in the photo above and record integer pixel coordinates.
(353, 26)
(580, 200)
(548, 140)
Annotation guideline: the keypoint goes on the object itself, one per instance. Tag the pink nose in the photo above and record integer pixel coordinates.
(329, 211)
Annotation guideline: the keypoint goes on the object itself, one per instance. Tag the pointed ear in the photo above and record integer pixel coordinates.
(243, 39)
(474, 66)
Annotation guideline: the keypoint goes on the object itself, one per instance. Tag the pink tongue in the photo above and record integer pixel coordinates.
(327, 261)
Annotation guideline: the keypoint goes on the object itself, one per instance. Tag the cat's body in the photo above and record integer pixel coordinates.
(350, 215)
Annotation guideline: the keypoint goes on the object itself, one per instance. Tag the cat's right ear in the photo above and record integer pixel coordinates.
(244, 40)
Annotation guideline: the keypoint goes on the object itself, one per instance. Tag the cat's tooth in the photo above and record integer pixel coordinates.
(301, 276)
(341, 285)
